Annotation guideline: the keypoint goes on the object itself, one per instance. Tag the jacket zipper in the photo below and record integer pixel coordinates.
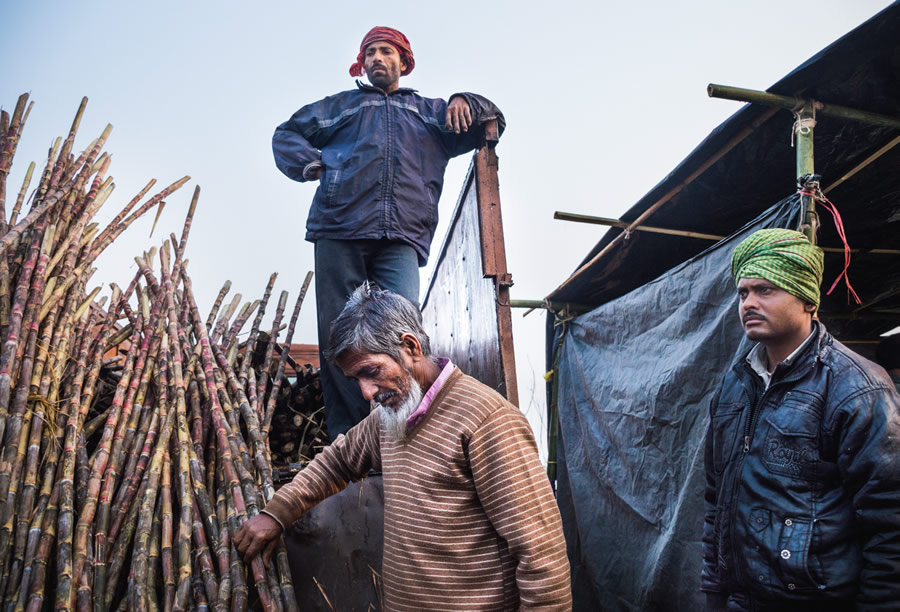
(748, 438)
(388, 167)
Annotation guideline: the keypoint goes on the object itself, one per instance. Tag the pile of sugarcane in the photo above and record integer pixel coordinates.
(298, 425)
(133, 433)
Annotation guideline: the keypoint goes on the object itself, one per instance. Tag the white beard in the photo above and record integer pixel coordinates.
(394, 419)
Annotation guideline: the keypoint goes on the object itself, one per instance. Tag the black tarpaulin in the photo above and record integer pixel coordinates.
(634, 389)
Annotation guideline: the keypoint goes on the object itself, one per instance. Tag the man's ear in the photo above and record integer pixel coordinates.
(411, 344)
(810, 308)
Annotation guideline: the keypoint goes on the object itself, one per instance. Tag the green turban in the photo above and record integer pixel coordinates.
(784, 257)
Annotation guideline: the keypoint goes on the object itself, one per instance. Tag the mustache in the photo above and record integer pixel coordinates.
(382, 397)
(751, 316)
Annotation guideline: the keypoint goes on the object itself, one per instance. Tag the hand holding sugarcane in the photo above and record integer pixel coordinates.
(259, 534)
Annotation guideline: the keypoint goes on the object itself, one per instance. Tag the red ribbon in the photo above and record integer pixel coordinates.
(839, 226)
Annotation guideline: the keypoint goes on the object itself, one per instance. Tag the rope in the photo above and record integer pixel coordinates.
(802, 125)
(817, 194)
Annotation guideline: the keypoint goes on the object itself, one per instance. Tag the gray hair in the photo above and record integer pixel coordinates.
(373, 321)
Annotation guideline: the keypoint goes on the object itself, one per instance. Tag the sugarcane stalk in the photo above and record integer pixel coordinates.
(275, 588)
(276, 385)
(198, 600)
(35, 594)
(252, 396)
(4, 264)
(185, 232)
(153, 558)
(240, 591)
(217, 304)
(84, 594)
(168, 557)
(263, 375)
(207, 572)
(13, 133)
(121, 215)
(105, 239)
(225, 318)
(97, 422)
(230, 338)
(20, 199)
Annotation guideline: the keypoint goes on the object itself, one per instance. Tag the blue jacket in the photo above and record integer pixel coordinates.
(384, 157)
(803, 483)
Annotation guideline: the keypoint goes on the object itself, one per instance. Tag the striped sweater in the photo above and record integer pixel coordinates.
(470, 521)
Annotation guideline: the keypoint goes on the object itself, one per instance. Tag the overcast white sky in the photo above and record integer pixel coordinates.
(602, 100)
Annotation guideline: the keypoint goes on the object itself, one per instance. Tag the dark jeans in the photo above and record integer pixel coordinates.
(341, 267)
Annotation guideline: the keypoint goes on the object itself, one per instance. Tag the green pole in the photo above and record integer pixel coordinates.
(553, 429)
(804, 129)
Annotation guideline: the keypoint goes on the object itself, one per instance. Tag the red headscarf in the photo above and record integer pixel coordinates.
(388, 35)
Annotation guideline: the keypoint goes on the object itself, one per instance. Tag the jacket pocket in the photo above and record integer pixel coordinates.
(793, 554)
(333, 182)
(725, 426)
(791, 447)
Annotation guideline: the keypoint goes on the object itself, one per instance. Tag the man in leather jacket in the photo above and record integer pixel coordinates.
(802, 453)
(379, 153)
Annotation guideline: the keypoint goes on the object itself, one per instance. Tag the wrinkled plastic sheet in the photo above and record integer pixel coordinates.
(636, 378)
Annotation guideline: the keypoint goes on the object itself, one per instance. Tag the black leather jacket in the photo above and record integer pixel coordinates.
(803, 482)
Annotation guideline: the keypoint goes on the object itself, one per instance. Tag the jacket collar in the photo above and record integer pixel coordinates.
(802, 363)
(367, 87)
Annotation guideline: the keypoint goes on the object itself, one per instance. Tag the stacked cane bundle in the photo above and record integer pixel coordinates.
(123, 478)
(298, 425)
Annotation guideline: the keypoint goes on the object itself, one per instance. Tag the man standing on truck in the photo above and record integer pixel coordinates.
(802, 453)
(470, 521)
(379, 153)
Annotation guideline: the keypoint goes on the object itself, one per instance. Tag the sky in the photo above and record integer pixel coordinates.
(601, 99)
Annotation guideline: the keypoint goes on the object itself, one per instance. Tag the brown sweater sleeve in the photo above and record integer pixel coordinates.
(349, 458)
(519, 502)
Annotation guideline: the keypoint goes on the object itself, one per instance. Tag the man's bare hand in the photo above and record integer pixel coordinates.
(318, 173)
(459, 116)
(259, 534)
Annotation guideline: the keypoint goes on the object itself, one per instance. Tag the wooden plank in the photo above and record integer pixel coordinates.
(466, 307)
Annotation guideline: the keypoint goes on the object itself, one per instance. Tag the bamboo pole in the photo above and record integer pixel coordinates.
(578, 218)
(792, 103)
(733, 142)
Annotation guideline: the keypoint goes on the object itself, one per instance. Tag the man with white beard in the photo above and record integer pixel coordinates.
(470, 521)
